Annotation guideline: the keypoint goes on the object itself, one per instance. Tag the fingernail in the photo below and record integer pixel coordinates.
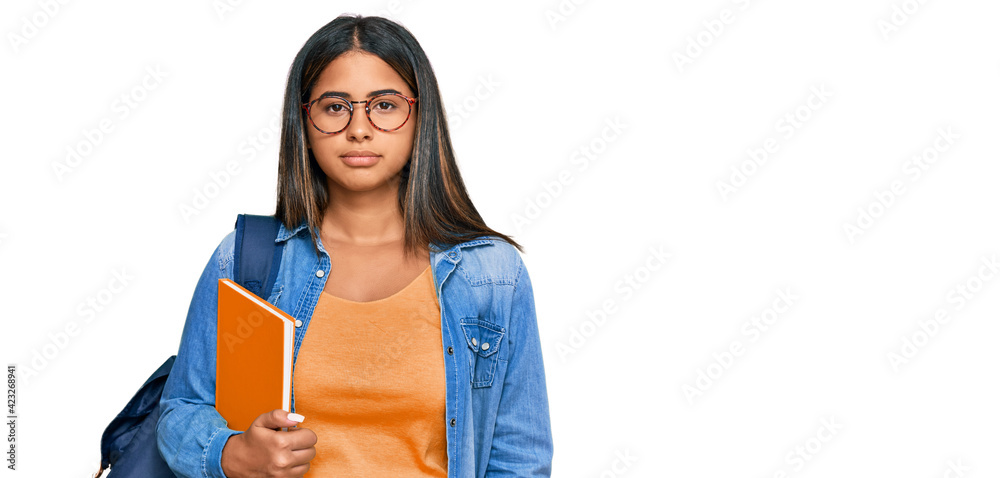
(295, 417)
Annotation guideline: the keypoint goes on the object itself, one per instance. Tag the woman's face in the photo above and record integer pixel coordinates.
(355, 75)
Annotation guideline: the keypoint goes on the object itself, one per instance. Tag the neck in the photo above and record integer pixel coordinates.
(363, 218)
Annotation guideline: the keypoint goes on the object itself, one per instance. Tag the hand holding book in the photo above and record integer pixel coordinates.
(264, 450)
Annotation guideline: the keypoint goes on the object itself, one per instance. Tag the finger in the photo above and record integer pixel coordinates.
(277, 418)
(304, 455)
(301, 438)
(299, 470)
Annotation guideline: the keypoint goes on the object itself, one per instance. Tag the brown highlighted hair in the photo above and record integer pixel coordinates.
(433, 200)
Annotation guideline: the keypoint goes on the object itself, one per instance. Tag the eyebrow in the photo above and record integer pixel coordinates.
(370, 95)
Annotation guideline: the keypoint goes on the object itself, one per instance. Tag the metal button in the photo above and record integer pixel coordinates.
(486, 345)
(452, 422)
(319, 273)
(298, 323)
(474, 344)
(451, 351)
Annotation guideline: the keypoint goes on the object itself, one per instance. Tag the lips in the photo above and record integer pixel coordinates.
(360, 158)
(364, 153)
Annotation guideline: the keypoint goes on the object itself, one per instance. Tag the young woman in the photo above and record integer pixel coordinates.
(416, 349)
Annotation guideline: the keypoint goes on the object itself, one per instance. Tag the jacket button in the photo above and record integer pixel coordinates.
(474, 343)
(486, 345)
(319, 273)
(451, 351)
(298, 323)
(452, 422)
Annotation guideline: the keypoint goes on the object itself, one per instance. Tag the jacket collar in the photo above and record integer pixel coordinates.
(452, 254)
(284, 233)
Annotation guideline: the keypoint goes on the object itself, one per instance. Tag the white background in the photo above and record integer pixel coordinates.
(618, 385)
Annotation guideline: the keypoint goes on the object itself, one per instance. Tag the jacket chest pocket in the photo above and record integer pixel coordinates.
(483, 339)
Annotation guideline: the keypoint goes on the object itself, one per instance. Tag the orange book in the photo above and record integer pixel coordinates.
(253, 366)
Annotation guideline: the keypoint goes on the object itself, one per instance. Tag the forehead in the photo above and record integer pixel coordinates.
(357, 74)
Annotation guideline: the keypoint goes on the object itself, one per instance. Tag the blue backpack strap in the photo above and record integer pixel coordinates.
(258, 256)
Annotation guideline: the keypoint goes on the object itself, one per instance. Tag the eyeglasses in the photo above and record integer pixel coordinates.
(332, 114)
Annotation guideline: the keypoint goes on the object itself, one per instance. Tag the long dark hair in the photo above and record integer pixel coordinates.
(435, 205)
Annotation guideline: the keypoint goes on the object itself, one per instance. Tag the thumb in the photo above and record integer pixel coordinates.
(277, 418)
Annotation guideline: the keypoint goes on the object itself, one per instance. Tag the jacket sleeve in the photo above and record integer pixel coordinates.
(522, 437)
(190, 433)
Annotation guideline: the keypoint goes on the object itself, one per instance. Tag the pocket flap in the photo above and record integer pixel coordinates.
(482, 336)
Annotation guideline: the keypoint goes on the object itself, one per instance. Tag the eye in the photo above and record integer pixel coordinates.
(384, 105)
(332, 106)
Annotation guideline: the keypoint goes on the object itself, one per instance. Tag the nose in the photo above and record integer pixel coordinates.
(359, 129)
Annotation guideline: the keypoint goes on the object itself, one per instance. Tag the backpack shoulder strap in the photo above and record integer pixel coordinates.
(257, 255)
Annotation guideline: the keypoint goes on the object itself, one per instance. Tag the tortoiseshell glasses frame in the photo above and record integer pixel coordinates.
(350, 104)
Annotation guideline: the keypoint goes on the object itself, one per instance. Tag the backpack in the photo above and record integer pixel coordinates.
(128, 444)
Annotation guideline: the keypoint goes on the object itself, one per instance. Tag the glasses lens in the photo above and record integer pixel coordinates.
(389, 111)
(330, 114)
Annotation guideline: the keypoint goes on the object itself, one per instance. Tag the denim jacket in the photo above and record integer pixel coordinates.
(497, 413)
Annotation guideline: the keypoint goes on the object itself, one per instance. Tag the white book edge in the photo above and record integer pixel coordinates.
(286, 400)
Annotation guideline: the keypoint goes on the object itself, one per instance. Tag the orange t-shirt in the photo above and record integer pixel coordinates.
(370, 381)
